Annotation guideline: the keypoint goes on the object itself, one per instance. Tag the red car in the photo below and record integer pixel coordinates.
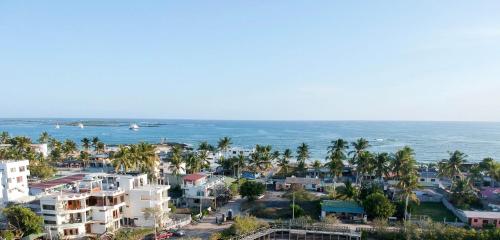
(164, 235)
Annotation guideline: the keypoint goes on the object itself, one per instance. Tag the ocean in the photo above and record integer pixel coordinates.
(430, 140)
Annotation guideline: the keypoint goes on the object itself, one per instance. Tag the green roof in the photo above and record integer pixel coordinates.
(339, 206)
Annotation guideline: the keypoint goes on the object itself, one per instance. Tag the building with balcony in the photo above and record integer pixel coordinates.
(200, 188)
(101, 203)
(14, 181)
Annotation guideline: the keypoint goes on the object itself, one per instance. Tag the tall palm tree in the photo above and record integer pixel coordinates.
(365, 164)
(4, 137)
(360, 145)
(86, 144)
(224, 144)
(100, 148)
(205, 146)
(193, 164)
(405, 167)
(302, 156)
(336, 155)
(203, 159)
(122, 159)
(382, 165)
(239, 162)
(44, 137)
(68, 147)
(260, 159)
(85, 158)
(491, 168)
(451, 167)
(176, 161)
(95, 142)
(284, 161)
(148, 159)
(317, 167)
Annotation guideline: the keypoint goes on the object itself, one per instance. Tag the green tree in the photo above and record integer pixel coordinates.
(317, 167)
(378, 206)
(224, 144)
(284, 161)
(348, 192)
(303, 155)
(381, 164)
(86, 143)
(24, 220)
(252, 189)
(405, 167)
(176, 161)
(95, 142)
(68, 147)
(451, 167)
(360, 146)
(44, 137)
(239, 162)
(4, 137)
(336, 156)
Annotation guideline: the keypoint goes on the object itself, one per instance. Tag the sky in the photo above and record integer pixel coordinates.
(254, 60)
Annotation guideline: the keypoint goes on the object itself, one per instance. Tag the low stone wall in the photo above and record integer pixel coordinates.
(458, 213)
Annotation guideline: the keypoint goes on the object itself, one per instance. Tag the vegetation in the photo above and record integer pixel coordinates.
(22, 221)
(378, 206)
(241, 226)
(252, 189)
(132, 234)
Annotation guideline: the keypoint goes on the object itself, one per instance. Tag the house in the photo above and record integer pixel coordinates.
(14, 180)
(479, 219)
(429, 179)
(348, 210)
(250, 175)
(47, 187)
(101, 203)
(201, 189)
(299, 182)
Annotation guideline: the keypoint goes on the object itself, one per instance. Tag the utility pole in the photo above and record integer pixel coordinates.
(293, 206)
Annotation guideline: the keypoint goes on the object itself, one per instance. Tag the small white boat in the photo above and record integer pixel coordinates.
(80, 125)
(57, 126)
(133, 127)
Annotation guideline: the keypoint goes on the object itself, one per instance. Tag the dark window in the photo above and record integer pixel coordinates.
(475, 219)
(49, 222)
(48, 207)
(49, 215)
(422, 179)
(433, 180)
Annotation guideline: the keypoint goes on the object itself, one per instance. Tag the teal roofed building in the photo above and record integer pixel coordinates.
(347, 210)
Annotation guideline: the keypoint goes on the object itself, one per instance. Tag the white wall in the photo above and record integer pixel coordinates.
(14, 189)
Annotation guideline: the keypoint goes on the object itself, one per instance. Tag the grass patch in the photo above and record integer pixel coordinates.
(436, 211)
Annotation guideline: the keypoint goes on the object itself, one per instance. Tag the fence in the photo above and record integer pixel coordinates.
(460, 215)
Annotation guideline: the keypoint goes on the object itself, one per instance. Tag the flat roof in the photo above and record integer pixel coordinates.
(57, 182)
(194, 177)
(482, 214)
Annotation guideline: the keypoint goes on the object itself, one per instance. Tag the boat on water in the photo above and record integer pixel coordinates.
(80, 125)
(133, 127)
(57, 126)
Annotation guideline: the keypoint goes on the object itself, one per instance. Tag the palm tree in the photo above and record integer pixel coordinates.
(348, 192)
(260, 159)
(360, 145)
(204, 146)
(4, 137)
(381, 165)
(405, 167)
(85, 158)
(86, 144)
(147, 159)
(122, 159)
(491, 168)
(336, 155)
(302, 157)
(451, 167)
(176, 161)
(193, 163)
(44, 137)
(317, 167)
(100, 148)
(284, 161)
(95, 142)
(364, 164)
(240, 162)
(68, 147)
(224, 144)
(203, 159)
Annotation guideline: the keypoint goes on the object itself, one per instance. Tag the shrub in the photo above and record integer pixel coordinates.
(378, 206)
(252, 189)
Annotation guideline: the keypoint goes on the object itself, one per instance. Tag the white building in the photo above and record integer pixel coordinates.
(198, 187)
(14, 180)
(102, 203)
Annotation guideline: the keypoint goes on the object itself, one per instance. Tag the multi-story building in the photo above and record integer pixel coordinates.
(14, 180)
(198, 187)
(102, 203)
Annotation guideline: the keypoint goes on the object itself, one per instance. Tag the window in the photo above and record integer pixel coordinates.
(49, 222)
(19, 179)
(49, 215)
(48, 207)
(22, 168)
(475, 219)
(422, 179)
(485, 221)
(145, 197)
(433, 179)
(13, 169)
(71, 231)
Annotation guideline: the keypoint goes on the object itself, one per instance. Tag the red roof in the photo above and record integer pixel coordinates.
(57, 182)
(193, 177)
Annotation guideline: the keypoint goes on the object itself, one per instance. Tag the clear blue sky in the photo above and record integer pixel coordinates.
(323, 60)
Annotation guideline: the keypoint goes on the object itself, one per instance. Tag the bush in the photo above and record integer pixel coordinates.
(378, 206)
(297, 210)
(301, 195)
(252, 189)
